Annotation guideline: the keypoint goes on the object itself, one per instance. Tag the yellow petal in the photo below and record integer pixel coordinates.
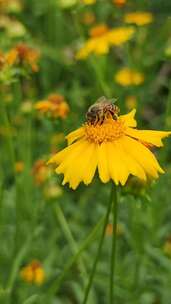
(90, 164)
(117, 166)
(148, 136)
(143, 156)
(120, 35)
(130, 162)
(71, 137)
(58, 157)
(79, 165)
(103, 163)
(129, 119)
(68, 165)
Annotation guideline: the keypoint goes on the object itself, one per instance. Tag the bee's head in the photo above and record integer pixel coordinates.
(92, 113)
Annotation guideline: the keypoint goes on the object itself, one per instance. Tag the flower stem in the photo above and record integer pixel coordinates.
(99, 248)
(90, 238)
(73, 245)
(113, 254)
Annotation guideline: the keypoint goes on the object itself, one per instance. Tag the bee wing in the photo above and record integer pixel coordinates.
(102, 99)
(113, 100)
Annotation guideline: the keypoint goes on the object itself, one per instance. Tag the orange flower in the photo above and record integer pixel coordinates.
(40, 172)
(109, 229)
(88, 18)
(2, 60)
(23, 54)
(55, 104)
(98, 30)
(33, 273)
(119, 3)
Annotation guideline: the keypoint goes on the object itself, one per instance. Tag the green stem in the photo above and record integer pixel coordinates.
(17, 263)
(100, 77)
(9, 138)
(56, 285)
(99, 248)
(73, 244)
(68, 234)
(32, 299)
(66, 230)
(113, 254)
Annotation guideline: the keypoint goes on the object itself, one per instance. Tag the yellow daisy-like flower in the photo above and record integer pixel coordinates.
(88, 2)
(127, 77)
(33, 273)
(139, 18)
(101, 38)
(114, 146)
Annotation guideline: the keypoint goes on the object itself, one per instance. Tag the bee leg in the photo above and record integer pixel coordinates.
(115, 116)
(102, 120)
(96, 121)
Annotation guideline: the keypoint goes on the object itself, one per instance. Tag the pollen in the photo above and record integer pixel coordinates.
(110, 130)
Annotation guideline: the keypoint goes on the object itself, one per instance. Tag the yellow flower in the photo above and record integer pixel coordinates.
(39, 275)
(115, 147)
(120, 35)
(101, 38)
(127, 77)
(33, 273)
(27, 274)
(119, 229)
(131, 102)
(19, 167)
(55, 104)
(139, 18)
(88, 2)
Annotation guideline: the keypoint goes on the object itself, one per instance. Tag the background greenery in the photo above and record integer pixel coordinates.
(36, 224)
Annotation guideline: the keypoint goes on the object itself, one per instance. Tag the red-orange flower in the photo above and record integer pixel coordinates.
(55, 104)
(23, 54)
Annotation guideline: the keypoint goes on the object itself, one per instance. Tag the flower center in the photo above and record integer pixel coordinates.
(110, 130)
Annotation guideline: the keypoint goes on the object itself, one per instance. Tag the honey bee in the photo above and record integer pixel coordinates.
(101, 109)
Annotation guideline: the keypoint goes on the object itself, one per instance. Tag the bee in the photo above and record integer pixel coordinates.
(101, 109)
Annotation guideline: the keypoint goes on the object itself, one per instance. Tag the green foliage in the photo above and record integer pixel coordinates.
(44, 221)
